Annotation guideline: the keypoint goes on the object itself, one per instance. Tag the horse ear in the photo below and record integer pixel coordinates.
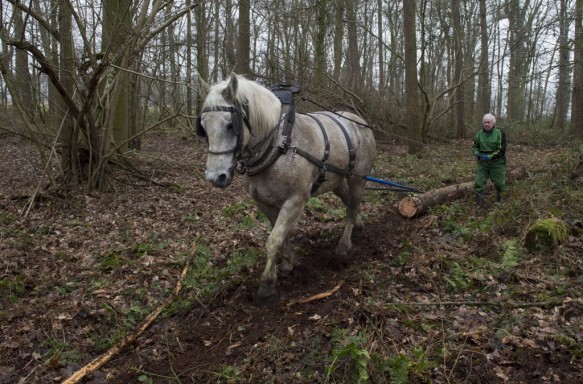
(203, 86)
(232, 87)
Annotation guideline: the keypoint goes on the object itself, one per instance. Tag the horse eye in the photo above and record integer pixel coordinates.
(230, 126)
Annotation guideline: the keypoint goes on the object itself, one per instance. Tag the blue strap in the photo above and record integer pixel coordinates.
(391, 183)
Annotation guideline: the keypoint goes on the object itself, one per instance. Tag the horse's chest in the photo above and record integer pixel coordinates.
(264, 190)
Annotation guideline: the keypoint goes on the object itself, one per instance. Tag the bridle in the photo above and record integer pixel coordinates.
(237, 119)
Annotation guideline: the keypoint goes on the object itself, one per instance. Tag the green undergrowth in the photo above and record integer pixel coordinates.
(205, 277)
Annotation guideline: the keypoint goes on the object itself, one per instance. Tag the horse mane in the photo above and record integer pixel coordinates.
(262, 106)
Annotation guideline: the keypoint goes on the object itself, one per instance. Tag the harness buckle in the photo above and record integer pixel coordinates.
(241, 167)
(282, 143)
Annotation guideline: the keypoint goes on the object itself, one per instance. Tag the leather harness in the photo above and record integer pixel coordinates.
(259, 160)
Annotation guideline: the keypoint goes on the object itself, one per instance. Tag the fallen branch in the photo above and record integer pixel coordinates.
(130, 338)
(318, 296)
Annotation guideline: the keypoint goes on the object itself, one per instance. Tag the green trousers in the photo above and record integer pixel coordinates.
(494, 170)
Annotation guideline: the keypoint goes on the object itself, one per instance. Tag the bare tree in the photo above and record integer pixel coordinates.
(320, 44)
(577, 97)
(484, 87)
(201, 45)
(22, 75)
(563, 75)
(415, 143)
(68, 135)
(458, 67)
(338, 38)
(244, 39)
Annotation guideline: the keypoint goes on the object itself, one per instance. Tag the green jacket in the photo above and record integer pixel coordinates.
(492, 144)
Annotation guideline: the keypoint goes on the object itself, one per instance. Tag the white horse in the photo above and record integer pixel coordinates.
(283, 164)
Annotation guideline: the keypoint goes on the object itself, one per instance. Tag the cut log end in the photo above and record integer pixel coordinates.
(410, 206)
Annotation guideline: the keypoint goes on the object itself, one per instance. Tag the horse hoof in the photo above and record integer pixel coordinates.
(284, 272)
(266, 296)
(342, 251)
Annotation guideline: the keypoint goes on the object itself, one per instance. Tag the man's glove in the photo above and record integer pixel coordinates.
(483, 157)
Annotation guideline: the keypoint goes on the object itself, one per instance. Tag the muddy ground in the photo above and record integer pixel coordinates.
(80, 271)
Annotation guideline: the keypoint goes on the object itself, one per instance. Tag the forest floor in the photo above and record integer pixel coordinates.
(449, 297)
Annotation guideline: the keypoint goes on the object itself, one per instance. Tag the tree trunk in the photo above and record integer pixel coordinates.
(381, 64)
(577, 97)
(484, 69)
(458, 67)
(49, 44)
(244, 39)
(355, 71)
(338, 38)
(117, 22)
(412, 206)
(22, 75)
(320, 46)
(415, 144)
(201, 63)
(518, 66)
(67, 134)
(189, 82)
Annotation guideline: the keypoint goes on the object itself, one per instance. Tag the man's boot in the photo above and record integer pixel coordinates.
(479, 199)
(499, 197)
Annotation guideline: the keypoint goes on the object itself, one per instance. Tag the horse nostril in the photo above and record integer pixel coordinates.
(221, 180)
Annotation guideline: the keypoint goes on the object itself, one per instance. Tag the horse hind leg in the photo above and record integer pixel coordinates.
(342, 192)
(350, 192)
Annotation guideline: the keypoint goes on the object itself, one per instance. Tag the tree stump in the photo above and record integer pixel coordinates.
(545, 235)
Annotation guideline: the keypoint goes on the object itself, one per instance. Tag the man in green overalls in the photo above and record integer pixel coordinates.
(490, 150)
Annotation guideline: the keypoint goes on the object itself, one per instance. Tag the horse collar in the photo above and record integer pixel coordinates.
(262, 159)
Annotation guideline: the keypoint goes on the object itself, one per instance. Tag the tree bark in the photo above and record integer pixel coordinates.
(380, 47)
(244, 39)
(22, 75)
(338, 38)
(68, 132)
(458, 67)
(412, 206)
(484, 76)
(411, 88)
(320, 46)
(201, 48)
(577, 95)
(354, 68)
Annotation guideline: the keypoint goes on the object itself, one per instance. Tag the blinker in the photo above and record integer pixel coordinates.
(236, 124)
(199, 129)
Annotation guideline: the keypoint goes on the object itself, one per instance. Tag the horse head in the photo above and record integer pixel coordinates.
(236, 113)
(221, 123)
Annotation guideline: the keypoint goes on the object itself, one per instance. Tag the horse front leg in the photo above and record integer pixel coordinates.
(288, 215)
(287, 258)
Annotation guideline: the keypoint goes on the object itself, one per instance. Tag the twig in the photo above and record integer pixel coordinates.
(318, 296)
(130, 338)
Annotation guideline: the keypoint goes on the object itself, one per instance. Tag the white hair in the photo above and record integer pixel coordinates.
(491, 117)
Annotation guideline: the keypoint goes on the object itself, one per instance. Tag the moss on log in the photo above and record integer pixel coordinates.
(545, 235)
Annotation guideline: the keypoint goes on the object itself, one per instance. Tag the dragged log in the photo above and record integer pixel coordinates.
(415, 205)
